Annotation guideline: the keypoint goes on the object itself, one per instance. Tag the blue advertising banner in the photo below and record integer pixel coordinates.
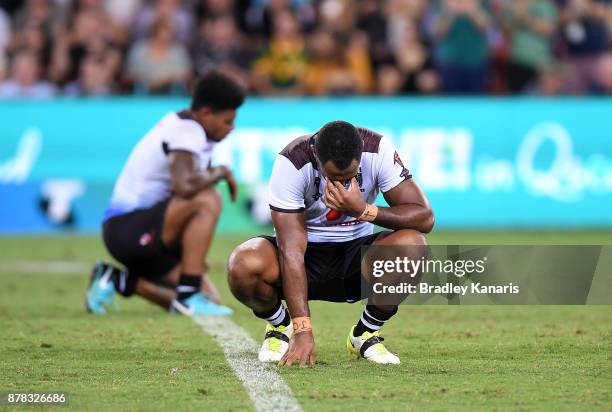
(484, 163)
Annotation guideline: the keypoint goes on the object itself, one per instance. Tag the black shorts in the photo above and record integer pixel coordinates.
(333, 269)
(134, 239)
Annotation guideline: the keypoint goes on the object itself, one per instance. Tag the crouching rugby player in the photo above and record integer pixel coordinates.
(164, 208)
(322, 193)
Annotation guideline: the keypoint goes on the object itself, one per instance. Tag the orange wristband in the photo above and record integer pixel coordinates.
(369, 214)
(301, 324)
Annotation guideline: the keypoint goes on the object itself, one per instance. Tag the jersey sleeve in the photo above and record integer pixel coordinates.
(286, 187)
(187, 136)
(391, 169)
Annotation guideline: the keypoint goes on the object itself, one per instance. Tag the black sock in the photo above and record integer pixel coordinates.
(188, 286)
(125, 283)
(277, 316)
(372, 319)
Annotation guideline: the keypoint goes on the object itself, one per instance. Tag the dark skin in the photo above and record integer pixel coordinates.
(192, 188)
(187, 180)
(408, 209)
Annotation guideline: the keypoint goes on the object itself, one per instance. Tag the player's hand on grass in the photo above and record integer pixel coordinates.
(301, 350)
(349, 202)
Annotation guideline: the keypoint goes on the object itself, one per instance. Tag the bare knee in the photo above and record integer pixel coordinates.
(249, 264)
(402, 237)
(244, 266)
(208, 201)
(410, 237)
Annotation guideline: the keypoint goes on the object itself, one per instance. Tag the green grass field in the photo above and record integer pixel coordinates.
(453, 357)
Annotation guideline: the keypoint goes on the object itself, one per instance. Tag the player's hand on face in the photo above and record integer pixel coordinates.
(301, 350)
(350, 202)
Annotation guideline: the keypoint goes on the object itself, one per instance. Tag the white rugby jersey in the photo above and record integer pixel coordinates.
(145, 178)
(297, 186)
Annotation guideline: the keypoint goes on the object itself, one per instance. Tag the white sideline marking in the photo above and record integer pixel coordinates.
(51, 266)
(60, 267)
(264, 385)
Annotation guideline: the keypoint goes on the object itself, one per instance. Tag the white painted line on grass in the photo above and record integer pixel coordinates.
(51, 266)
(264, 385)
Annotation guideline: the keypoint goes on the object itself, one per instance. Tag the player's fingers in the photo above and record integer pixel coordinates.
(333, 205)
(330, 201)
(339, 187)
(330, 189)
(304, 361)
(325, 201)
(290, 360)
(312, 359)
(354, 185)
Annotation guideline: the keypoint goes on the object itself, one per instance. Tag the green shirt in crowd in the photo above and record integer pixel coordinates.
(464, 45)
(528, 47)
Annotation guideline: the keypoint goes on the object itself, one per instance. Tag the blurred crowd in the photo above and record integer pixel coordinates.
(306, 47)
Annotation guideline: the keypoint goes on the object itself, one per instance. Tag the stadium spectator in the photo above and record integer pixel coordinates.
(5, 31)
(159, 64)
(531, 25)
(34, 38)
(91, 33)
(95, 80)
(25, 80)
(282, 66)
(585, 35)
(39, 13)
(413, 46)
(260, 15)
(552, 80)
(373, 22)
(123, 12)
(338, 16)
(338, 69)
(603, 75)
(220, 45)
(173, 11)
(389, 80)
(461, 26)
(414, 61)
(211, 9)
(3, 64)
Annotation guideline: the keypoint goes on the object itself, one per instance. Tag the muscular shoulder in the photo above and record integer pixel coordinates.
(299, 151)
(180, 132)
(371, 140)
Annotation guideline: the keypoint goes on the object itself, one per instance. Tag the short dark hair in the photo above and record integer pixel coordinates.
(217, 91)
(339, 142)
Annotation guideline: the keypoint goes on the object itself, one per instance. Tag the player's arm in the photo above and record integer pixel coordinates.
(408, 209)
(408, 206)
(291, 239)
(188, 179)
